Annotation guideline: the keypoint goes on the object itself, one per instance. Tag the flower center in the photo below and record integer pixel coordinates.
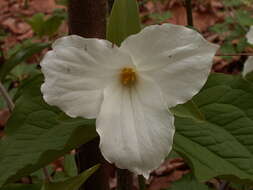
(127, 76)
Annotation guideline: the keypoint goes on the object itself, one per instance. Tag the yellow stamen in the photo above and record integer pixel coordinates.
(128, 76)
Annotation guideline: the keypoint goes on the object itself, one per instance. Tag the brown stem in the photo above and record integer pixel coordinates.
(87, 18)
(125, 180)
(188, 6)
(87, 156)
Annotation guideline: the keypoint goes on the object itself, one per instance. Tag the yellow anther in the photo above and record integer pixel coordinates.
(127, 76)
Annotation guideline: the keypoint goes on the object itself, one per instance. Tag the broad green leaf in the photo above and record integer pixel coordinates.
(72, 183)
(240, 186)
(124, 21)
(22, 187)
(37, 134)
(188, 182)
(20, 56)
(222, 144)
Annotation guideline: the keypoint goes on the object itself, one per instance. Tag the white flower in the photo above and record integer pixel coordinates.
(129, 88)
(248, 65)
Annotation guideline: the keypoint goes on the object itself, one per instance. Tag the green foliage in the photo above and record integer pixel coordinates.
(22, 187)
(233, 28)
(220, 145)
(160, 17)
(249, 76)
(124, 21)
(236, 3)
(21, 55)
(189, 109)
(73, 183)
(37, 134)
(240, 186)
(43, 26)
(188, 182)
(62, 2)
(244, 18)
(70, 165)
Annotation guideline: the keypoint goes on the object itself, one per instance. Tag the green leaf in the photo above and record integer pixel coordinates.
(62, 2)
(240, 186)
(244, 18)
(73, 183)
(220, 28)
(222, 144)
(37, 23)
(70, 165)
(22, 187)
(37, 134)
(188, 109)
(249, 76)
(242, 45)
(52, 25)
(160, 17)
(124, 21)
(233, 3)
(188, 182)
(227, 48)
(20, 56)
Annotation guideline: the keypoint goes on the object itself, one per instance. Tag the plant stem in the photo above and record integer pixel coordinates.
(125, 180)
(26, 4)
(47, 176)
(188, 6)
(142, 184)
(87, 18)
(6, 97)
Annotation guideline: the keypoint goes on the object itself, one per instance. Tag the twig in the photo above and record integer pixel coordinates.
(188, 6)
(46, 174)
(235, 54)
(6, 97)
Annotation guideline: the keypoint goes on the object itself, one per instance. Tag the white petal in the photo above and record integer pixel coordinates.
(135, 128)
(179, 59)
(76, 72)
(250, 35)
(248, 66)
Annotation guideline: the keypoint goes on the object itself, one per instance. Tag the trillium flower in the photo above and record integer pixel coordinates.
(248, 65)
(128, 89)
